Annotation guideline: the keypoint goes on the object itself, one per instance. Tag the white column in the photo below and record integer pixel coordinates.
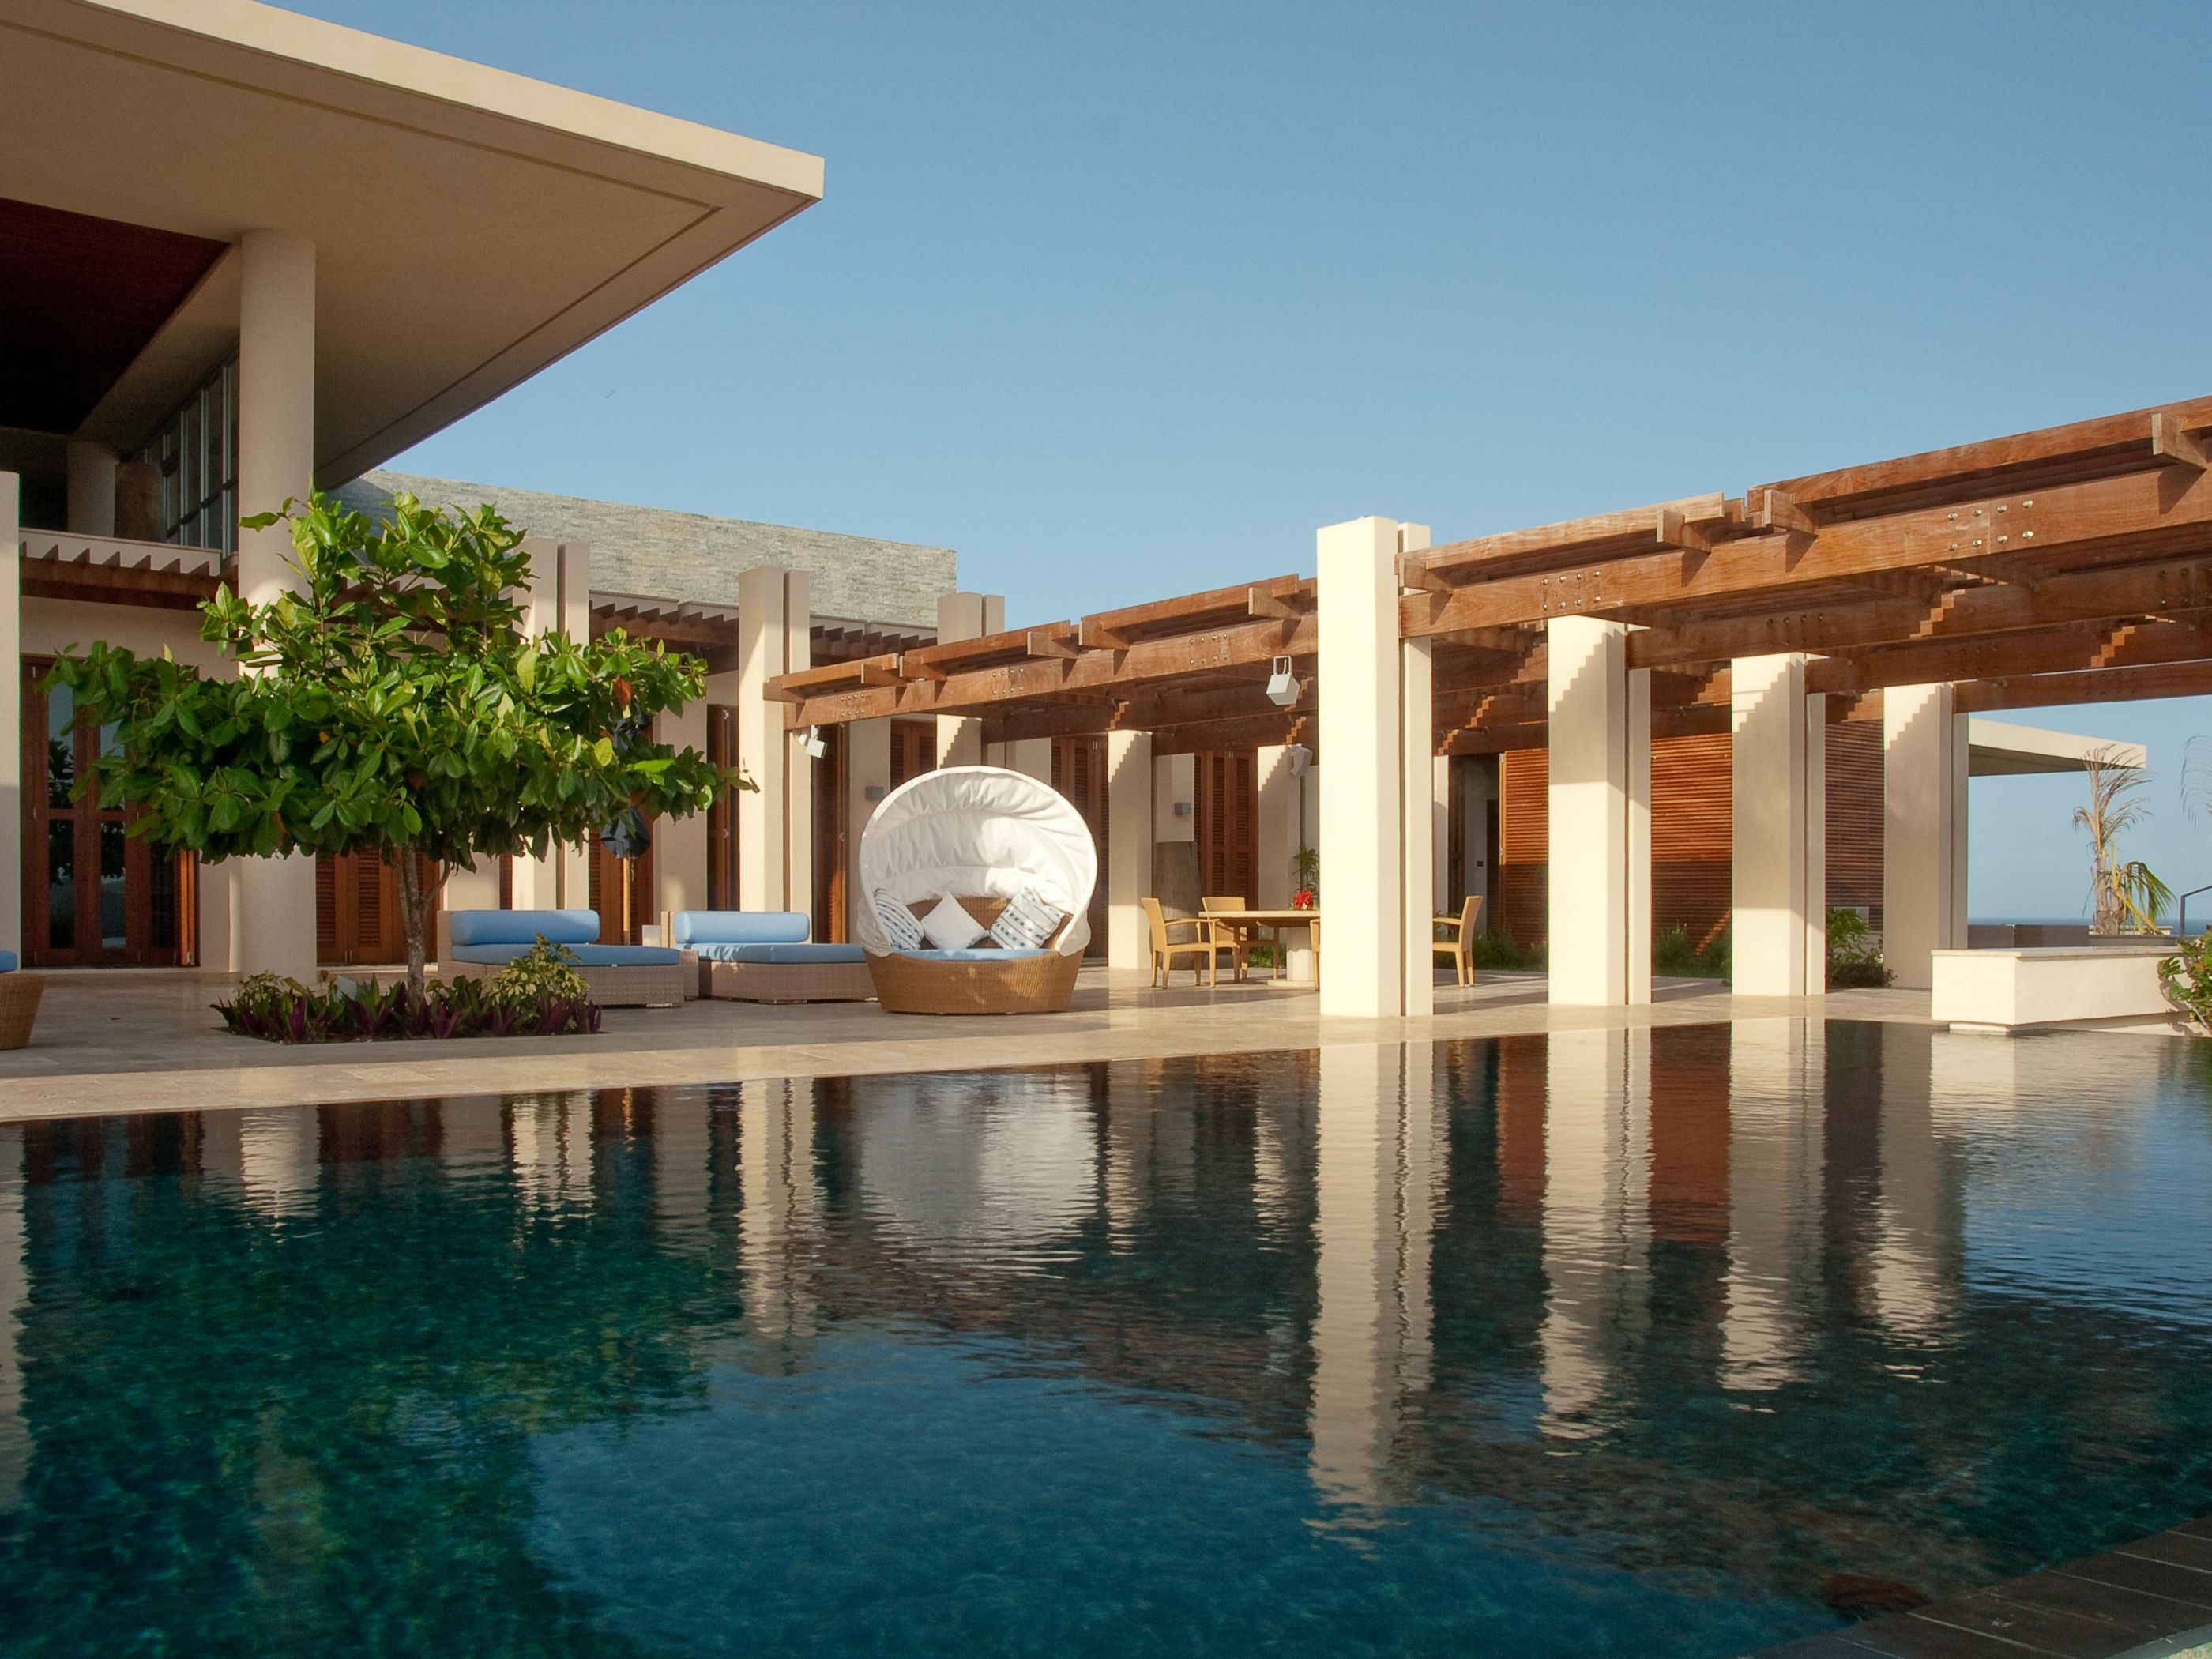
(573, 599)
(273, 900)
(1440, 811)
(92, 469)
(867, 780)
(762, 748)
(1032, 756)
(965, 617)
(679, 845)
(1364, 836)
(1128, 847)
(1924, 827)
(1777, 759)
(536, 882)
(1279, 828)
(1599, 801)
(11, 714)
(798, 764)
(1418, 838)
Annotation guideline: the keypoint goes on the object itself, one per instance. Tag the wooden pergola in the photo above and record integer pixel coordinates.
(2072, 564)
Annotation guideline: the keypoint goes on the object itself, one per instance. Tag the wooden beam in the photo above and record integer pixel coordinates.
(1045, 642)
(1779, 510)
(1094, 635)
(2177, 679)
(1413, 572)
(1258, 602)
(2005, 656)
(1244, 645)
(1283, 726)
(1461, 560)
(2173, 446)
(2133, 514)
(1673, 530)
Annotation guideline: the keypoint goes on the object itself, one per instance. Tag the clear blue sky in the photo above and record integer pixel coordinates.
(1122, 301)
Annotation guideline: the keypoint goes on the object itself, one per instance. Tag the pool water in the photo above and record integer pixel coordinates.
(1676, 1342)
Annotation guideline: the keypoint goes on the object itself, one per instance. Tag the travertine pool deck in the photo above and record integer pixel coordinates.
(2149, 1600)
(146, 1040)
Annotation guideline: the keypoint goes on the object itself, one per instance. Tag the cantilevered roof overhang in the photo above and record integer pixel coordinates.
(471, 225)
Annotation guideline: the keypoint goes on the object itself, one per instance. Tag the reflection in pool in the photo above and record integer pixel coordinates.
(1667, 1342)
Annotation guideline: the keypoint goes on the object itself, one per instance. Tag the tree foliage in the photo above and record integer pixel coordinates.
(392, 704)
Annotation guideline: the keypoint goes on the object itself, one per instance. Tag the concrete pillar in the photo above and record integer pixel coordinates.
(679, 845)
(1279, 829)
(1599, 806)
(1419, 841)
(1779, 875)
(1128, 847)
(1032, 756)
(867, 780)
(92, 469)
(1375, 728)
(1923, 855)
(775, 821)
(272, 922)
(965, 617)
(536, 882)
(11, 713)
(573, 599)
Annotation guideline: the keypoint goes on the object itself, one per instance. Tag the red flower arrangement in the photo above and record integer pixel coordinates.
(1303, 899)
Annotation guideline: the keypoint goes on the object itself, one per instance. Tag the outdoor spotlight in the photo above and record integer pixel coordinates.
(1282, 685)
(1301, 759)
(815, 746)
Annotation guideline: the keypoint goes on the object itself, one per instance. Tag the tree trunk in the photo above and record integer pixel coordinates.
(414, 909)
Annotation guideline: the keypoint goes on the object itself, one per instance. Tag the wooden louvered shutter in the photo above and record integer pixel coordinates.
(329, 947)
(372, 892)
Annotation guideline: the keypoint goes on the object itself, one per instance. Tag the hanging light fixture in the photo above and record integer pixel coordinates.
(1282, 685)
(1301, 759)
(816, 745)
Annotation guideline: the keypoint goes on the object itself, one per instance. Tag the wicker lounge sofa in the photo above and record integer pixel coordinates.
(475, 944)
(19, 1001)
(977, 880)
(764, 955)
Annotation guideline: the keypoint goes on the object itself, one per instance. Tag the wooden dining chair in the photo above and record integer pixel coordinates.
(1460, 947)
(1204, 949)
(1239, 938)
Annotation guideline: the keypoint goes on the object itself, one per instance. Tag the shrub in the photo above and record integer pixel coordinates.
(1674, 955)
(1499, 951)
(537, 1004)
(2186, 979)
(1854, 961)
(545, 972)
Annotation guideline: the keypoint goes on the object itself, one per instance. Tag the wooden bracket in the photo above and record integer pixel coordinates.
(1778, 511)
(2170, 444)
(1092, 636)
(876, 673)
(909, 669)
(1039, 643)
(1258, 602)
(1675, 531)
(1413, 572)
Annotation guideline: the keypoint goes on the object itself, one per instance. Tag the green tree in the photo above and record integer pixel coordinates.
(391, 704)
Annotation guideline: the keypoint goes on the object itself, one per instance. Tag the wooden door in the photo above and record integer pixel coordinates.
(1078, 772)
(1227, 822)
(92, 896)
(914, 749)
(722, 816)
(831, 777)
(358, 917)
(623, 893)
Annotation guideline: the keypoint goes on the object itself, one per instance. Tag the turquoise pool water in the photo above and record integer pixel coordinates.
(1679, 1343)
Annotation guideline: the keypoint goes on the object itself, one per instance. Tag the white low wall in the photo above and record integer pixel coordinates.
(2013, 990)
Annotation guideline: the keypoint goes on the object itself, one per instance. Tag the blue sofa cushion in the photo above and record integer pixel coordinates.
(981, 953)
(587, 956)
(782, 953)
(7, 962)
(697, 927)
(521, 927)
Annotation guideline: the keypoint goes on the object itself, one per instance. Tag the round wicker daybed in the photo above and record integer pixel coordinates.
(990, 840)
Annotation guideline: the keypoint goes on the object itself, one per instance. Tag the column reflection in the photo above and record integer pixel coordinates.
(550, 1139)
(274, 1156)
(15, 1296)
(1596, 1221)
(780, 1205)
(1776, 1106)
(1906, 1269)
(1378, 1182)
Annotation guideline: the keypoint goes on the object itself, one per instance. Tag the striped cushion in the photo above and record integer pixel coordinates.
(1027, 922)
(899, 924)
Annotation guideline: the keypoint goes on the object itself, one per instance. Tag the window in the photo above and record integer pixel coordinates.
(196, 450)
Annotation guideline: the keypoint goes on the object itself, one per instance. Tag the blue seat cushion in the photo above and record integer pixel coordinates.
(983, 953)
(7, 962)
(587, 956)
(521, 927)
(697, 927)
(782, 953)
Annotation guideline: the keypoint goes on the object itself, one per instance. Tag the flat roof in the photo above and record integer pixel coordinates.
(471, 226)
(1997, 749)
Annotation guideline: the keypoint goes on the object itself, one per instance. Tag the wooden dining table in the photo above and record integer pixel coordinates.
(1271, 923)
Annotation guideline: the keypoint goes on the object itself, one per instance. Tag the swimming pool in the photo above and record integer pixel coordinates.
(1669, 1342)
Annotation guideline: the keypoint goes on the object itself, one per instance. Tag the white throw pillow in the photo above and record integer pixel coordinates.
(1027, 922)
(950, 927)
(904, 931)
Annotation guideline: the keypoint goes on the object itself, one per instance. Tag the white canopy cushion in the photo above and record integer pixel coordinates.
(978, 832)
